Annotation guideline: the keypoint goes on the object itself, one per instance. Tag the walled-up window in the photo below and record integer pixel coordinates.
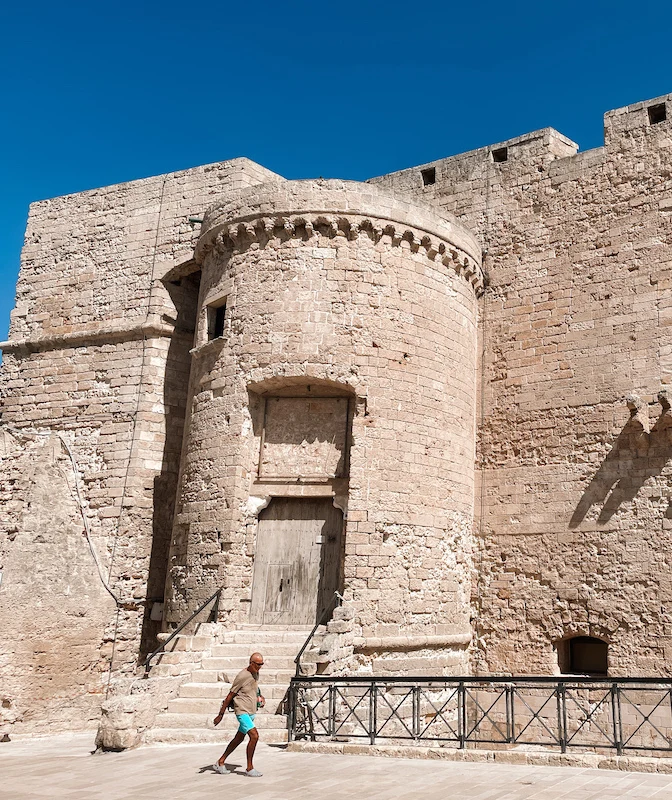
(305, 436)
(583, 655)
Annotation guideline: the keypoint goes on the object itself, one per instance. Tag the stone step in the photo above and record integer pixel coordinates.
(228, 723)
(171, 670)
(267, 676)
(219, 690)
(249, 626)
(245, 649)
(236, 663)
(205, 736)
(189, 643)
(209, 629)
(257, 638)
(178, 657)
(213, 676)
(211, 705)
(208, 676)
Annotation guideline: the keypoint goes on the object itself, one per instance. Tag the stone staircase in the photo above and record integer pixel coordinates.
(212, 658)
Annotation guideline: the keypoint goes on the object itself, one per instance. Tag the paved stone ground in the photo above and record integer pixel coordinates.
(61, 767)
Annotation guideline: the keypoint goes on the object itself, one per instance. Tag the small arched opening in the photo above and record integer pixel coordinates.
(583, 655)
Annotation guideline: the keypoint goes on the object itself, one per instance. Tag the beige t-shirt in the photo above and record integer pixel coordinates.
(244, 687)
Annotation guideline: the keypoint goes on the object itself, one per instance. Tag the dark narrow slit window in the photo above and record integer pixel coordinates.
(500, 155)
(428, 176)
(657, 113)
(216, 316)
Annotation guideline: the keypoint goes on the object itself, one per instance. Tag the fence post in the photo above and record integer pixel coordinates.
(510, 689)
(373, 713)
(462, 715)
(291, 715)
(562, 717)
(332, 711)
(616, 717)
(416, 711)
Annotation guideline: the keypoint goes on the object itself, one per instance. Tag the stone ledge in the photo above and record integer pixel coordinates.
(529, 758)
(100, 333)
(412, 642)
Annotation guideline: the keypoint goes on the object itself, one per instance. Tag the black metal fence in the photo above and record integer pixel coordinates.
(624, 714)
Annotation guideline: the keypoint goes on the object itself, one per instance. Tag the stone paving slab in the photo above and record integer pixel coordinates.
(62, 767)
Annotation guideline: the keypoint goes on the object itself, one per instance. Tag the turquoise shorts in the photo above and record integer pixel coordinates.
(245, 722)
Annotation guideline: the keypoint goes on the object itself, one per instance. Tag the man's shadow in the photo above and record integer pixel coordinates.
(211, 768)
(636, 456)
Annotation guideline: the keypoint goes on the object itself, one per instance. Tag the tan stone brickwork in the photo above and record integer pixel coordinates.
(54, 609)
(504, 466)
(98, 352)
(574, 523)
(360, 301)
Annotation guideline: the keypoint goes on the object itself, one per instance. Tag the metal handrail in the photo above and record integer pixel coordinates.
(213, 615)
(327, 608)
(486, 679)
(630, 714)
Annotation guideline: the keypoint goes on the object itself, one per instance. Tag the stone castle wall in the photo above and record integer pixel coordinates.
(571, 488)
(99, 352)
(54, 608)
(574, 503)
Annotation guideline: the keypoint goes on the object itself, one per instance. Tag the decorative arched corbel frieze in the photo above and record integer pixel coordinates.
(343, 209)
(237, 235)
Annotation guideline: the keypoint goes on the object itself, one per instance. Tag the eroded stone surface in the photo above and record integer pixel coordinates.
(552, 367)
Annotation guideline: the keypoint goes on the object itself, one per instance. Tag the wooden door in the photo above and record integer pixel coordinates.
(279, 588)
(297, 561)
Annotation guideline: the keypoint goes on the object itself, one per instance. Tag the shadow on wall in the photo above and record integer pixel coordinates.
(637, 455)
(184, 294)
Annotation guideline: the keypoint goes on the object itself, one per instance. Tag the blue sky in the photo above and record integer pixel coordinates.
(98, 93)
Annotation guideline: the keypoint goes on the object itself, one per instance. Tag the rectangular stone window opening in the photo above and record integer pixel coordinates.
(428, 176)
(216, 317)
(657, 113)
(583, 655)
(500, 155)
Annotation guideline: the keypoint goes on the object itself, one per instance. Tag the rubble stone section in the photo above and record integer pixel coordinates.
(54, 609)
(335, 284)
(575, 528)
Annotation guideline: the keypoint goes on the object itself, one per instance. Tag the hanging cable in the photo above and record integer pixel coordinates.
(23, 434)
(133, 433)
(140, 379)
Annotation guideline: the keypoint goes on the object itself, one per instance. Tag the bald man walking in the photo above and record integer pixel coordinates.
(246, 698)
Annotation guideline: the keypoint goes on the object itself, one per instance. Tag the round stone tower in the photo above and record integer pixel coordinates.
(331, 434)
